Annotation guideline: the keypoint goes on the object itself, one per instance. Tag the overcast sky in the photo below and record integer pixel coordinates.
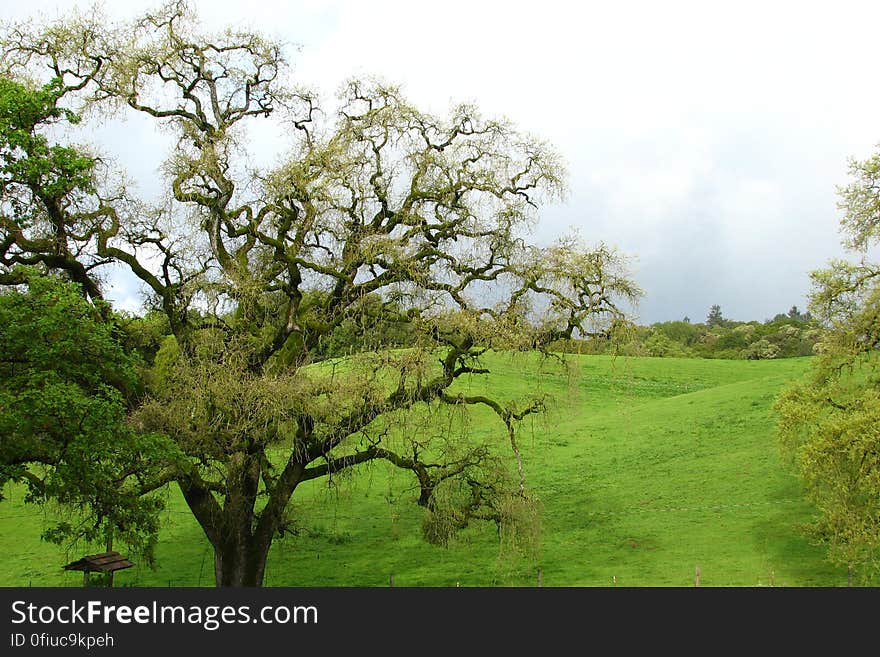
(705, 139)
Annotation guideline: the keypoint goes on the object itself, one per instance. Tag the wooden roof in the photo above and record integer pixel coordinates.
(105, 562)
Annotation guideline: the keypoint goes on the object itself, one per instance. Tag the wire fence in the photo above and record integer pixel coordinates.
(714, 508)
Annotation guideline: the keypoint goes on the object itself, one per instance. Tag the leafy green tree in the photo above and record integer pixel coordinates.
(37, 175)
(714, 318)
(65, 384)
(830, 423)
(682, 332)
(659, 344)
(760, 350)
(379, 209)
(731, 339)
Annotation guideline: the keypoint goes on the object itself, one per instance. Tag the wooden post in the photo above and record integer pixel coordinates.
(85, 578)
(697, 576)
(391, 580)
(540, 578)
(109, 579)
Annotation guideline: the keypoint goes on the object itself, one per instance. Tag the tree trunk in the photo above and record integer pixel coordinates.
(241, 538)
(239, 555)
(240, 563)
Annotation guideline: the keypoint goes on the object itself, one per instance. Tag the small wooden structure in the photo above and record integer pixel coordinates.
(105, 562)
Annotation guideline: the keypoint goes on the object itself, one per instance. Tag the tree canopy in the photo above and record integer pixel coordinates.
(714, 318)
(65, 385)
(380, 214)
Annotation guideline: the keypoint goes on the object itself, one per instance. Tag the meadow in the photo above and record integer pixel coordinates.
(644, 468)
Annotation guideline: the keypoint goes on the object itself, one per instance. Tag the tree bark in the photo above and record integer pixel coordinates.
(241, 538)
(239, 557)
(240, 564)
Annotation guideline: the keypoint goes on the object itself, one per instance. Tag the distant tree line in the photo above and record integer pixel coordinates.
(786, 335)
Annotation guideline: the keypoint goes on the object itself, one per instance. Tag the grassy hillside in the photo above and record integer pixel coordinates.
(645, 468)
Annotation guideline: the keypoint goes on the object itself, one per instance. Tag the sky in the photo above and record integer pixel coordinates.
(705, 140)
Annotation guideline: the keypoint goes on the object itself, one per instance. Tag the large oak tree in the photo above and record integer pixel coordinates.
(379, 214)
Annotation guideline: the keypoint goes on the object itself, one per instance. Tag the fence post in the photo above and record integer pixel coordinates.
(697, 576)
(540, 578)
(109, 576)
(391, 580)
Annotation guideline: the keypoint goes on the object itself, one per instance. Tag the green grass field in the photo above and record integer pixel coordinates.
(645, 469)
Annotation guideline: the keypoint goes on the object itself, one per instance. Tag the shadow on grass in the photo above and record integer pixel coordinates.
(790, 553)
